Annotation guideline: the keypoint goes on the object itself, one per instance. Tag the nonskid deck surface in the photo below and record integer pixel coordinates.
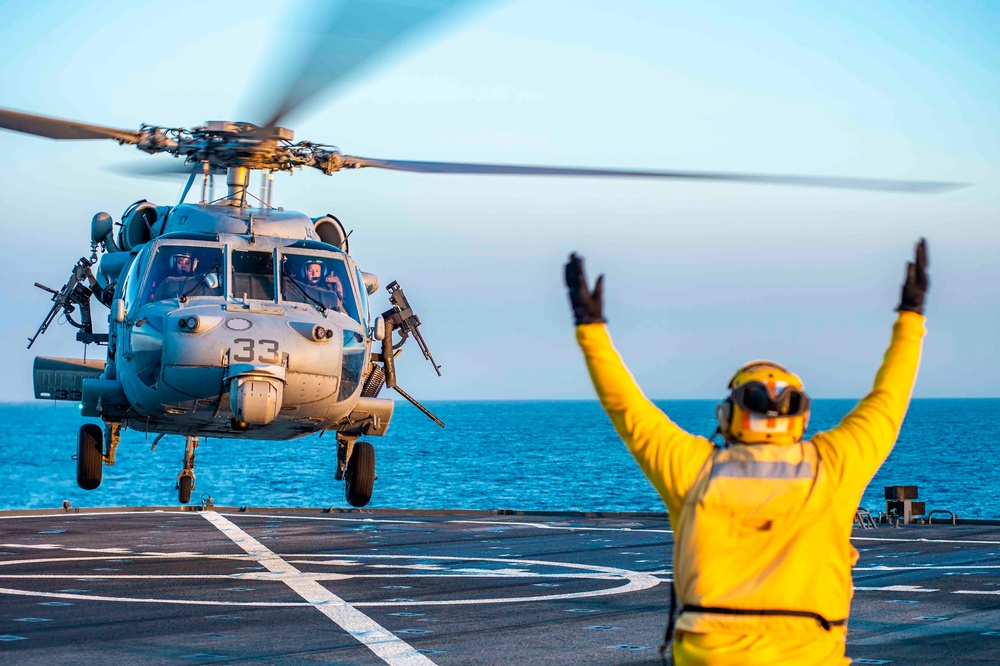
(406, 587)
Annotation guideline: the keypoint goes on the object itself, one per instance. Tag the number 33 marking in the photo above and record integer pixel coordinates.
(245, 352)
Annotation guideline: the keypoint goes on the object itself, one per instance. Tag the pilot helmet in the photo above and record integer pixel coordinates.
(184, 252)
(767, 404)
(310, 262)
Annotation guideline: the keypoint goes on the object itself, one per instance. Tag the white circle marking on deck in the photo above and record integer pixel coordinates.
(632, 581)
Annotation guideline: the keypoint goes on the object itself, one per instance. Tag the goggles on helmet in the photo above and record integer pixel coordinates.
(755, 397)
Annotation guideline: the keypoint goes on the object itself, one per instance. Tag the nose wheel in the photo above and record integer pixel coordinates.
(185, 480)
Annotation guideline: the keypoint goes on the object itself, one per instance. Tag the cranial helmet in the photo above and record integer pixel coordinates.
(766, 404)
(182, 253)
(305, 267)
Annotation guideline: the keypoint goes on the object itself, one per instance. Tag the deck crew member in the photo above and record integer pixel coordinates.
(762, 524)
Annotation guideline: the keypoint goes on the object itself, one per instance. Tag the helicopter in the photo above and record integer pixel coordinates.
(232, 318)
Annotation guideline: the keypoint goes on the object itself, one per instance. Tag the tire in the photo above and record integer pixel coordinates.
(360, 474)
(184, 489)
(90, 456)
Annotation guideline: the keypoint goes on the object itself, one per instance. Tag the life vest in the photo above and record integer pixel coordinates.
(759, 546)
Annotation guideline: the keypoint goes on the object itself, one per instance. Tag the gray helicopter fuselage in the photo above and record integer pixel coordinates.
(224, 335)
(201, 218)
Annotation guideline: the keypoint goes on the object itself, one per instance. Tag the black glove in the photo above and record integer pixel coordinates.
(588, 308)
(917, 282)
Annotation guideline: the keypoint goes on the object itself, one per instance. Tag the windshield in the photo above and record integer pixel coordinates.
(183, 270)
(364, 297)
(322, 281)
(253, 275)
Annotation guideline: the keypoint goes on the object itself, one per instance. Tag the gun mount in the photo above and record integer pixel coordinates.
(402, 318)
(75, 293)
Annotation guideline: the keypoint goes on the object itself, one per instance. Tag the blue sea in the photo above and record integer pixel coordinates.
(534, 456)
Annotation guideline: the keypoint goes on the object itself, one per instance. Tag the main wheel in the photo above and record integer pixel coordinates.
(184, 489)
(360, 474)
(90, 456)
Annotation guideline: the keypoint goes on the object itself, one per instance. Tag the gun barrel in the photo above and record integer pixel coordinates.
(45, 324)
(427, 352)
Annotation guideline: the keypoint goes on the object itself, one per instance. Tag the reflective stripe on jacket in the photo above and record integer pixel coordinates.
(761, 526)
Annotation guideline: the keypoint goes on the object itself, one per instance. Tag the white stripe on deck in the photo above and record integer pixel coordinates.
(559, 526)
(923, 540)
(387, 646)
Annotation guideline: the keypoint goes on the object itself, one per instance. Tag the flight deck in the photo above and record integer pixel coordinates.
(283, 586)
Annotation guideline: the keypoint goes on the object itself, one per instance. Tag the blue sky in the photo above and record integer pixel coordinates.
(700, 277)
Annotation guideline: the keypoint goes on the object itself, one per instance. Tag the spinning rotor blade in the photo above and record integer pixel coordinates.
(770, 179)
(349, 37)
(159, 169)
(56, 128)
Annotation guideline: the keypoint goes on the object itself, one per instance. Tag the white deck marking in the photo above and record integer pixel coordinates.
(113, 551)
(345, 520)
(138, 600)
(386, 646)
(922, 540)
(549, 526)
(920, 567)
(633, 580)
(896, 588)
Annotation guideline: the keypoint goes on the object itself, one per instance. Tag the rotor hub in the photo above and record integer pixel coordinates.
(225, 144)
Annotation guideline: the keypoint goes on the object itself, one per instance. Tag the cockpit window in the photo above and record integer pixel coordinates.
(364, 298)
(132, 281)
(253, 275)
(322, 281)
(181, 270)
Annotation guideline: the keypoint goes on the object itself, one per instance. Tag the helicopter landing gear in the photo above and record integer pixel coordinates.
(112, 435)
(360, 474)
(356, 464)
(345, 446)
(90, 456)
(185, 480)
(184, 486)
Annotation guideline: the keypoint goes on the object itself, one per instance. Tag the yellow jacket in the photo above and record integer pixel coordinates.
(761, 527)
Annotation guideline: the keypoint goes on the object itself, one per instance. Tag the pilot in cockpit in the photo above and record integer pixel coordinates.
(184, 278)
(316, 285)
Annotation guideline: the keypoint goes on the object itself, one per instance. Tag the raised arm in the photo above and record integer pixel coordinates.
(669, 457)
(861, 442)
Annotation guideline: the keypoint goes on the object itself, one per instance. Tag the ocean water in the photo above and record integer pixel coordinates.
(540, 456)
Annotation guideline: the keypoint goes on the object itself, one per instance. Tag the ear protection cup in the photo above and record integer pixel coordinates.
(724, 415)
